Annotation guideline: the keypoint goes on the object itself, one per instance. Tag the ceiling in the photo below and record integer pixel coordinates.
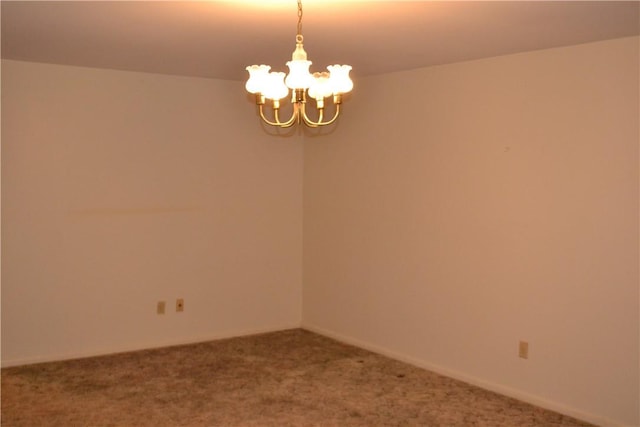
(218, 39)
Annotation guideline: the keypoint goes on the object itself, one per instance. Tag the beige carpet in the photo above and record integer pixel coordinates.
(288, 378)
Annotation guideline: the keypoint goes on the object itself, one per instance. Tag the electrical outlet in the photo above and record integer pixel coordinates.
(179, 304)
(523, 350)
(160, 307)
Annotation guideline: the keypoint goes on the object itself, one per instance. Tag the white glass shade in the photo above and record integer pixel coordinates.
(299, 76)
(339, 78)
(321, 87)
(257, 78)
(275, 87)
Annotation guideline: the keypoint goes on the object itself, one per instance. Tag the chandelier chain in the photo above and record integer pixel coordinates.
(299, 17)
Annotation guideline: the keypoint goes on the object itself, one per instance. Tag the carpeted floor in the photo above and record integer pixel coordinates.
(288, 378)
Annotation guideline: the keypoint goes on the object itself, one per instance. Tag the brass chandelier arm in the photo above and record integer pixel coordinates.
(315, 124)
(337, 101)
(277, 122)
(299, 114)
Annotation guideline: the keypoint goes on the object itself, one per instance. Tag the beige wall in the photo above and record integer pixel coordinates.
(462, 208)
(122, 189)
(452, 212)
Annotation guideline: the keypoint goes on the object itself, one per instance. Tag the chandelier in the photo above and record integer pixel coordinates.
(275, 86)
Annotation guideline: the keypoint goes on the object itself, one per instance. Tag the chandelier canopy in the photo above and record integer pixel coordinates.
(266, 84)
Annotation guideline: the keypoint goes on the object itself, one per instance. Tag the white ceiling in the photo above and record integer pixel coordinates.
(219, 39)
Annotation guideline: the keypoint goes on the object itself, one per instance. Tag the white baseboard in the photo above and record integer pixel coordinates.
(487, 385)
(146, 346)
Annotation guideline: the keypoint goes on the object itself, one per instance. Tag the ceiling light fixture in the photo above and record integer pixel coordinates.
(275, 86)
